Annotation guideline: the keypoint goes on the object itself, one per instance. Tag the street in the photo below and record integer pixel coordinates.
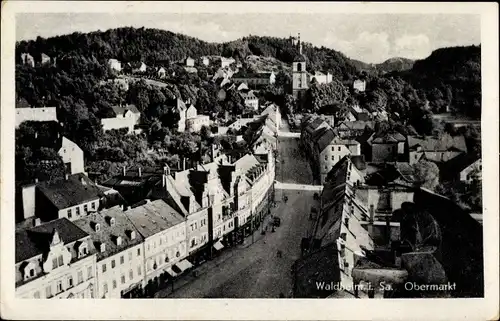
(255, 270)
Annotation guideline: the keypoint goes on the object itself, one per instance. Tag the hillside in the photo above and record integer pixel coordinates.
(450, 76)
(394, 64)
(266, 64)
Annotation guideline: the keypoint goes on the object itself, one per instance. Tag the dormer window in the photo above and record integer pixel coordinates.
(82, 250)
(95, 226)
(110, 220)
(119, 240)
(131, 234)
(29, 271)
(102, 248)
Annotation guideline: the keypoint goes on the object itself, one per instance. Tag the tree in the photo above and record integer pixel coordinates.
(426, 174)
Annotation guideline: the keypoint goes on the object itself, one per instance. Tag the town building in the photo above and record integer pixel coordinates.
(45, 59)
(464, 168)
(357, 113)
(40, 114)
(321, 78)
(71, 198)
(359, 85)
(27, 59)
(165, 249)
(72, 156)
(255, 80)
(54, 260)
(435, 149)
(124, 117)
(120, 253)
(188, 62)
(251, 101)
(135, 67)
(115, 65)
(205, 61)
(387, 147)
(189, 120)
(330, 149)
(354, 128)
(274, 113)
(161, 72)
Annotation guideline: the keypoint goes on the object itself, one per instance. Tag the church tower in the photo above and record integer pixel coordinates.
(299, 73)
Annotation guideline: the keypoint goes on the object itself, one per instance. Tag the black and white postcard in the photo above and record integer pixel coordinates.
(266, 160)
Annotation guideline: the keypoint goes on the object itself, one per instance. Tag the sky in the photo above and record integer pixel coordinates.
(372, 38)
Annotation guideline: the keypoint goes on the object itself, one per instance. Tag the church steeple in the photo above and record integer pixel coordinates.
(299, 44)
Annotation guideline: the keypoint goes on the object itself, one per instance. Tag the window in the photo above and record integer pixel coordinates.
(89, 272)
(85, 208)
(333, 157)
(123, 279)
(103, 268)
(326, 157)
(105, 288)
(80, 277)
(138, 252)
(54, 263)
(122, 259)
(339, 148)
(94, 205)
(31, 273)
(113, 264)
(114, 284)
(36, 295)
(131, 275)
(60, 260)
(77, 211)
(69, 213)
(139, 270)
(70, 281)
(130, 256)
(48, 291)
(59, 286)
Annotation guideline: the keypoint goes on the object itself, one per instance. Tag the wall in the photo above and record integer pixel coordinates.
(28, 197)
(73, 154)
(195, 230)
(35, 114)
(195, 124)
(133, 260)
(62, 274)
(329, 157)
(384, 153)
(117, 123)
(91, 205)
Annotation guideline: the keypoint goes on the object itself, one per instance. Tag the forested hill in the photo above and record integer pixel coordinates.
(451, 75)
(152, 45)
(390, 65)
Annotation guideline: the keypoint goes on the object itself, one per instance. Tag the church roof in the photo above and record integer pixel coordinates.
(299, 58)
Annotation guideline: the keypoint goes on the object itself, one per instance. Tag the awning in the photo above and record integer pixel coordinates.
(183, 265)
(171, 272)
(218, 246)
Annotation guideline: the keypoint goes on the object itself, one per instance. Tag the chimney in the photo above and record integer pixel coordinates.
(66, 176)
(372, 213)
(184, 164)
(124, 171)
(164, 180)
(140, 172)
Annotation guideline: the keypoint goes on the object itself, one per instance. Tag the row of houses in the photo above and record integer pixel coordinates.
(81, 239)
(370, 241)
(326, 145)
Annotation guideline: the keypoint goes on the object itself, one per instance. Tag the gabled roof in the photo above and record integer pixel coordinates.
(120, 110)
(248, 95)
(108, 233)
(459, 163)
(154, 217)
(444, 143)
(34, 241)
(358, 124)
(325, 139)
(388, 137)
(76, 190)
(312, 126)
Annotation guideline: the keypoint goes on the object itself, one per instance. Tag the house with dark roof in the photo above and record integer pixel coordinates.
(54, 260)
(435, 149)
(40, 114)
(135, 67)
(329, 148)
(387, 147)
(163, 229)
(354, 128)
(124, 117)
(251, 101)
(464, 168)
(70, 198)
(254, 79)
(120, 253)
